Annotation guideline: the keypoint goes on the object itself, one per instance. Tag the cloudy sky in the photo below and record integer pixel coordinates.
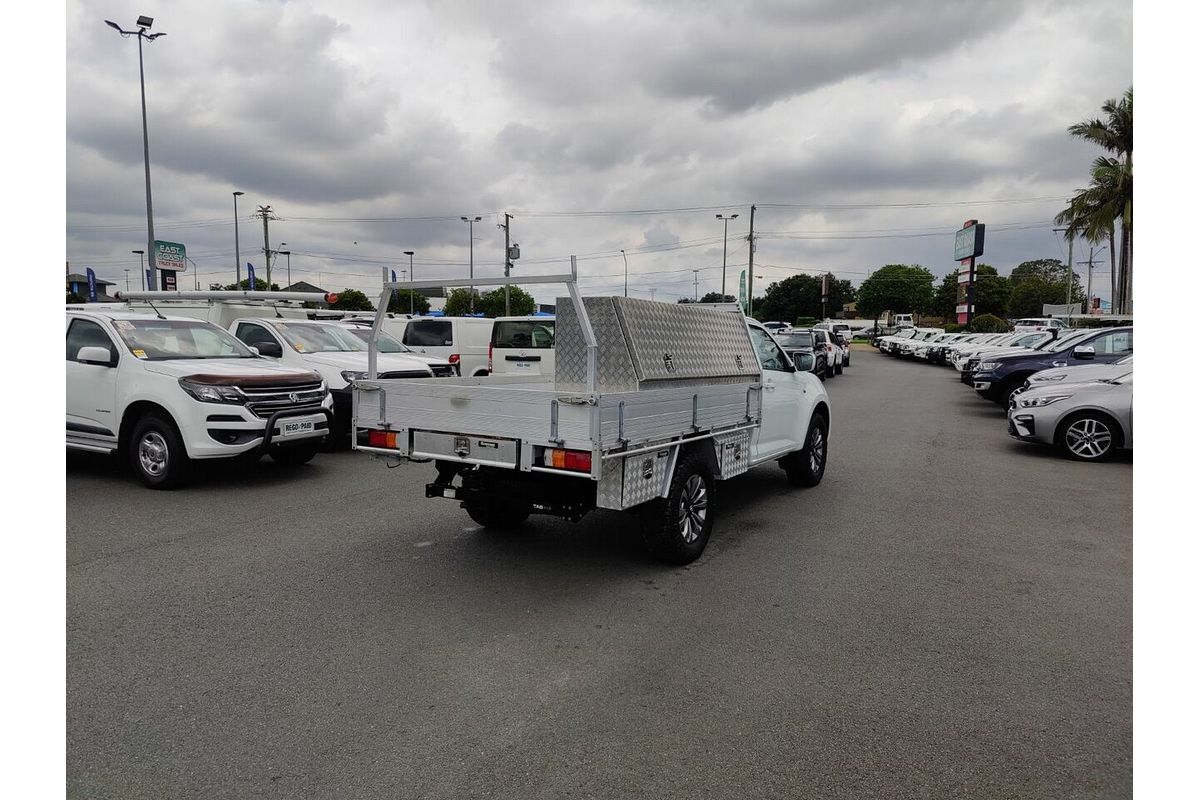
(865, 133)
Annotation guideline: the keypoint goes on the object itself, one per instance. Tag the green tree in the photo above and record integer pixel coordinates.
(1029, 295)
(992, 293)
(800, 296)
(897, 287)
(244, 285)
(404, 299)
(75, 298)
(945, 300)
(988, 323)
(492, 303)
(352, 300)
(717, 297)
(1094, 211)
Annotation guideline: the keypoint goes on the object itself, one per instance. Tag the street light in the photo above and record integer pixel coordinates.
(237, 245)
(626, 273)
(142, 253)
(471, 234)
(411, 276)
(127, 279)
(725, 250)
(287, 253)
(143, 23)
(696, 284)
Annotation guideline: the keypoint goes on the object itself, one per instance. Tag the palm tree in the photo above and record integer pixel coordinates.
(1094, 211)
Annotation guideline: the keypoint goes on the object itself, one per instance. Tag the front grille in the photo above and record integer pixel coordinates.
(263, 401)
(442, 370)
(404, 373)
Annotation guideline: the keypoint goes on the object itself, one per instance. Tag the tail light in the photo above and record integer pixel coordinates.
(490, 367)
(574, 460)
(454, 359)
(382, 439)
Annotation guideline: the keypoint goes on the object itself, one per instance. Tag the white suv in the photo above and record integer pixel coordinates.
(165, 391)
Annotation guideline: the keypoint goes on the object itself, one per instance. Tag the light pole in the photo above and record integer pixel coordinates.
(127, 279)
(237, 244)
(411, 276)
(142, 253)
(626, 273)
(725, 250)
(471, 234)
(287, 253)
(652, 295)
(696, 284)
(143, 25)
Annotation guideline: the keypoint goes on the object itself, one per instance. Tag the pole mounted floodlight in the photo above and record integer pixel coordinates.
(142, 253)
(143, 23)
(411, 277)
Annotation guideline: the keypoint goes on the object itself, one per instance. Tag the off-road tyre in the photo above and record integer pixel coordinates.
(497, 515)
(676, 528)
(806, 467)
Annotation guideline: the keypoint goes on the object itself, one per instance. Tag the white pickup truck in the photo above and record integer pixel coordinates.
(649, 405)
(165, 391)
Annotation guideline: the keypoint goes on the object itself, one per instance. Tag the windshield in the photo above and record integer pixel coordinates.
(164, 339)
(524, 334)
(1067, 342)
(795, 339)
(387, 343)
(313, 337)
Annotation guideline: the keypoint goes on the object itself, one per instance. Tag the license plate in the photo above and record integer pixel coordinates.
(296, 428)
(523, 364)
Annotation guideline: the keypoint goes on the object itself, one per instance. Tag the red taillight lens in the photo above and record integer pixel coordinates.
(453, 358)
(490, 358)
(382, 439)
(574, 460)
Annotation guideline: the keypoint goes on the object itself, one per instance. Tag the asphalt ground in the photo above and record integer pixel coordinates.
(947, 615)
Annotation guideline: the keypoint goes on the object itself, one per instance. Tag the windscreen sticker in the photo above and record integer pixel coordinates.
(124, 325)
(299, 346)
(140, 353)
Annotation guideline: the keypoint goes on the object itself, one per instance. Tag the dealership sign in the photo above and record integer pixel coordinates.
(968, 242)
(170, 256)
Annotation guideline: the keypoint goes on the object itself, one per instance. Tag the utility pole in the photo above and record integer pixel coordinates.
(626, 273)
(507, 263)
(267, 214)
(750, 270)
(696, 285)
(652, 291)
(471, 235)
(725, 248)
(1070, 267)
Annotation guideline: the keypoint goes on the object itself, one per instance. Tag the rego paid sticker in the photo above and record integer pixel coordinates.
(140, 353)
(124, 325)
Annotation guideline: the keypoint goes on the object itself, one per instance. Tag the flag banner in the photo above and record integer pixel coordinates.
(253, 283)
(91, 276)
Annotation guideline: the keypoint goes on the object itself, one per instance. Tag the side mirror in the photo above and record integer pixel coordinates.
(271, 349)
(804, 361)
(96, 355)
(1084, 351)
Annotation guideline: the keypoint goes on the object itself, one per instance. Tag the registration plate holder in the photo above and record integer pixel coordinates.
(288, 428)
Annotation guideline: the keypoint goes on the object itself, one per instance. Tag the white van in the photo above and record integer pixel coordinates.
(463, 341)
(522, 346)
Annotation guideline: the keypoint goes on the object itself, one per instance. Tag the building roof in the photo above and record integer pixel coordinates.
(303, 286)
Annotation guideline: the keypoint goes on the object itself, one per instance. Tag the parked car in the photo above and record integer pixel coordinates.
(824, 341)
(463, 341)
(775, 326)
(1060, 376)
(1039, 324)
(163, 392)
(1000, 375)
(361, 327)
(887, 344)
(907, 347)
(328, 349)
(799, 341)
(1087, 421)
(969, 366)
(522, 346)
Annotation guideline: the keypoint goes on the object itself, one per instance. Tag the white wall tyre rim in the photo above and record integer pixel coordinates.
(153, 454)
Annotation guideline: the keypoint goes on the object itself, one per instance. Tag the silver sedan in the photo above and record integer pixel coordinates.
(1088, 421)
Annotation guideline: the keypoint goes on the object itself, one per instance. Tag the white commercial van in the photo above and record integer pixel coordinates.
(522, 346)
(463, 341)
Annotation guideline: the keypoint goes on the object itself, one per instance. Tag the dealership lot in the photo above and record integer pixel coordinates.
(947, 613)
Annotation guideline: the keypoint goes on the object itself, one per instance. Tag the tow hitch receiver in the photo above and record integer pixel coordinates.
(444, 485)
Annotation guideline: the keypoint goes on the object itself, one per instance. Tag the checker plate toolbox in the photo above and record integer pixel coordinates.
(633, 380)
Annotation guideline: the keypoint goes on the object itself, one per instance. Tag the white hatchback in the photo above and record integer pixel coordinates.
(522, 346)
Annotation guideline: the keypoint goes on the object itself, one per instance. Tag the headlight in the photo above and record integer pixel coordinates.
(349, 376)
(1046, 378)
(210, 393)
(988, 366)
(1044, 400)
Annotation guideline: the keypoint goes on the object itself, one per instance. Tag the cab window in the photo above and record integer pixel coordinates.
(768, 352)
(1119, 342)
(85, 333)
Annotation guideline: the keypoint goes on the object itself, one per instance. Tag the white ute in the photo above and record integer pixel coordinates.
(165, 391)
(649, 405)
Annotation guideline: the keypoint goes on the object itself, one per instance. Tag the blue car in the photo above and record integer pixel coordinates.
(999, 376)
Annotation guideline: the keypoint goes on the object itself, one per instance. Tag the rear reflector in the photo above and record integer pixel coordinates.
(382, 439)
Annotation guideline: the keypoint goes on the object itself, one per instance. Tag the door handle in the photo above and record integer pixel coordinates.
(769, 387)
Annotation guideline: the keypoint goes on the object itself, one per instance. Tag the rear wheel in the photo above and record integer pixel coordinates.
(806, 467)
(676, 529)
(157, 454)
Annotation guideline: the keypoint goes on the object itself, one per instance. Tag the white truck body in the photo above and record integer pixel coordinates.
(163, 391)
(649, 404)
(463, 341)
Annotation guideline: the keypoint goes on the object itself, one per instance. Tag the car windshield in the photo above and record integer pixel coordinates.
(313, 337)
(387, 344)
(803, 339)
(165, 339)
(1067, 342)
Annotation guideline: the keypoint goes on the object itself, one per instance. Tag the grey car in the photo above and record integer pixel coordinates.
(1087, 421)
